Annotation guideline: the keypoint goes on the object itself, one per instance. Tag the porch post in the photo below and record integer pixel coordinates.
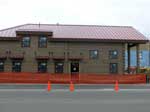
(149, 52)
(137, 58)
(128, 50)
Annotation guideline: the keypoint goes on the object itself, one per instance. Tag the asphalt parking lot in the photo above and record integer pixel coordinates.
(85, 99)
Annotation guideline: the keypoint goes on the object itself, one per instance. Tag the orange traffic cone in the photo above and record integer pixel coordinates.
(71, 87)
(49, 86)
(116, 86)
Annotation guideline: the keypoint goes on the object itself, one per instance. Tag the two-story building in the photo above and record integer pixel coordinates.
(56, 48)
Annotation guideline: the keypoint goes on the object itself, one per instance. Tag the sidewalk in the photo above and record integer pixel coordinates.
(77, 86)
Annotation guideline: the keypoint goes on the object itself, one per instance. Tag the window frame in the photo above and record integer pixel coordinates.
(113, 57)
(116, 71)
(97, 57)
(15, 61)
(23, 44)
(39, 62)
(62, 66)
(3, 69)
(39, 44)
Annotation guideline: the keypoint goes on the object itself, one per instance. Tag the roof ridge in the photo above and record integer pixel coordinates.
(63, 25)
(79, 25)
(13, 27)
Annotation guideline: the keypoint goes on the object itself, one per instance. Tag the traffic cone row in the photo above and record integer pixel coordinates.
(72, 88)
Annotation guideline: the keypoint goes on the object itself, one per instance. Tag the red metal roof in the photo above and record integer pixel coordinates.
(96, 32)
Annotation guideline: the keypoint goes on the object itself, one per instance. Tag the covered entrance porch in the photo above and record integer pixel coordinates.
(131, 69)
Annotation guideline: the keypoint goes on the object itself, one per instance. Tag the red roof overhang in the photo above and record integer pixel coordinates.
(75, 58)
(58, 58)
(98, 40)
(42, 57)
(20, 57)
(3, 57)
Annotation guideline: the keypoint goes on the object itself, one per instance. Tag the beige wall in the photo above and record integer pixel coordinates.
(100, 65)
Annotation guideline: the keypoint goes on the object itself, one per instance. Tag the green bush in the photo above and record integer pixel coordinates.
(145, 70)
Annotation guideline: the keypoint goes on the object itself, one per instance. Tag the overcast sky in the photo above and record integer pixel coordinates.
(134, 13)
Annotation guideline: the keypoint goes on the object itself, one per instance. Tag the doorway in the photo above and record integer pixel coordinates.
(74, 67)
(74, 71)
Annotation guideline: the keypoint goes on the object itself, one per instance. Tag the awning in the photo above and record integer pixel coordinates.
(3, 57)
(58, 58)
(75, 58)
(20, 57)
(42, 57)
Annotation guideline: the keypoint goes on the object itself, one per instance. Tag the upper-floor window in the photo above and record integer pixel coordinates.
(113, 54)
(93, 54)
(26, 42)
(42, 42)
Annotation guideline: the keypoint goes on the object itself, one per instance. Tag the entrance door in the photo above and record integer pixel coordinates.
(74, 67)
(75, 71)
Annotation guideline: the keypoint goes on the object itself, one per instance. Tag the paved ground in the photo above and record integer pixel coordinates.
(82, 100)
(79, 86)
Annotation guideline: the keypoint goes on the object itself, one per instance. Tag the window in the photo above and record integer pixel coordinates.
(42, 66)
(59, 67)
(113, 68)
(16, 66)
(113, 54)
(42, 42)
(26, 42)
(74, 67)
(1, 66)
(93, 54)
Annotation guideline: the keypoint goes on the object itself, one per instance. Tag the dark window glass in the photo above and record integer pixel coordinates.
(59, 67)
(42, 42)
(1, 66)
(26, 42)
(113, 68)
(42, 66)
(113, 54)
(93, 54)
(74, 67)
(16, 66)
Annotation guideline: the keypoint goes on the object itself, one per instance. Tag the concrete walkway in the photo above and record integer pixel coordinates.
(77, 86)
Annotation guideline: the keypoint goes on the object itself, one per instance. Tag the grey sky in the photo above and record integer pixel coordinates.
(100, 12)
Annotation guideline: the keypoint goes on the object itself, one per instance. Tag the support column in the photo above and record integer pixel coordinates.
(149, 52)
(138, 58)
(128, 50)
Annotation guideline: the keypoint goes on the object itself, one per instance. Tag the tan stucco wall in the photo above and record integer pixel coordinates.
(100, 65)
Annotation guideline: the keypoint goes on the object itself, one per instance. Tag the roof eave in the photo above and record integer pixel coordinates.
(9, 38)
(99, 40)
